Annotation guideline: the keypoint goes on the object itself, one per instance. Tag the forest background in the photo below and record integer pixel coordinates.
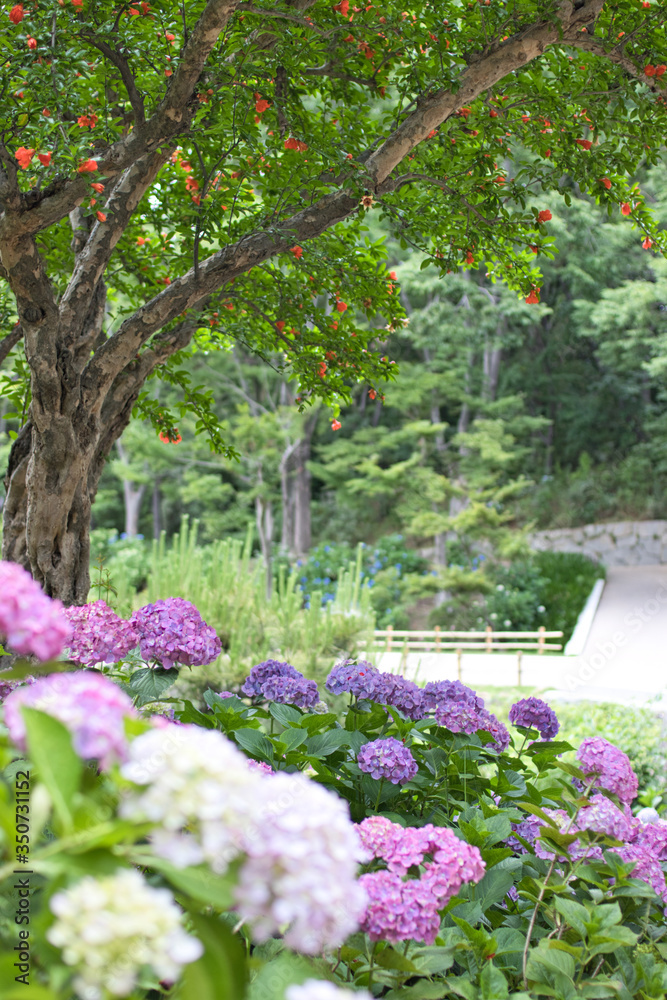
(507, 416)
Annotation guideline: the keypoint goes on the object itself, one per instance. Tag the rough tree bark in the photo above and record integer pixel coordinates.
(84, 381)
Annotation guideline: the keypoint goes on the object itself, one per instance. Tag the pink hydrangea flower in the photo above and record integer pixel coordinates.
(99, 634)
(172, 631)
(405, 909)
(599, 757)
(90, 705)
(30, 621)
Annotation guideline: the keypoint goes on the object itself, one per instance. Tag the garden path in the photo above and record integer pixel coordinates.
(624, 659)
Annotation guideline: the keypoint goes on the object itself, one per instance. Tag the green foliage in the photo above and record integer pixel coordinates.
(639, 732)
(537, 923)
(548, 588)
(229, 589)
(390, 570)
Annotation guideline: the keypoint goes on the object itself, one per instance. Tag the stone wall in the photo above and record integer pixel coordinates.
(622, 543)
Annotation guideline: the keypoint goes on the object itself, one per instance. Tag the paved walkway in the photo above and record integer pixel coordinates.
(625, 655)
(624, 659)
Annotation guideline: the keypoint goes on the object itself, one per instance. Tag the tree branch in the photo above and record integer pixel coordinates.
(217, 270)
(91, 263)
(122, 65)
(9, 342)
(171, 118)
(501, 59)
(399, 181)
(587, 43)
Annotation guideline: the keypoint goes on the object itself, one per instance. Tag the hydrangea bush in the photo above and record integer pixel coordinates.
(411, 846)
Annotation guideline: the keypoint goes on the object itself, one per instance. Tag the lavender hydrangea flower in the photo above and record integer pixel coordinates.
(360, 679)
(529, 829)
(172, 631)
(458, 716)
(652, 837)
(292, 691)
(403, 909)
(273, 680)
(500, 737)
(438, 692)
(613, 768)
(533, 713)
(30, 621)
(90, 705)
(405, 695)
(99, 635)
(389, 759)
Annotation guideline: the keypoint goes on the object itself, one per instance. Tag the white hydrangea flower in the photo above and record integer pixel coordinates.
(302, 850)
(301, 873)
(108, 928)
(322, 989)
(194, 778)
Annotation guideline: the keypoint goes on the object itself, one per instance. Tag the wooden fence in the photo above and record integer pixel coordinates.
(488, 640)
(438, 640)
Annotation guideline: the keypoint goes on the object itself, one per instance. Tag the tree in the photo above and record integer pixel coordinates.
(202, 173)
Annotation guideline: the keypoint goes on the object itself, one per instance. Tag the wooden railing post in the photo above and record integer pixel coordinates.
(519, 657)
(437, 638)
(489, 638)
(458, 663)
(390, 629)
(540, 641)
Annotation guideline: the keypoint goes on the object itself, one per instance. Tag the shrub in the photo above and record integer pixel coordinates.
(548, 588)
(407, 844)
(389, 571)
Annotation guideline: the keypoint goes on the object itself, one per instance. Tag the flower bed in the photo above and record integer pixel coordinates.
(280, 846)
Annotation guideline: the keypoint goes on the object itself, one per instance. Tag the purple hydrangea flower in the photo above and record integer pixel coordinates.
(172, 631)
(599, 757)
(99, 634)
(403, 909)
(533, 713)
(401, 693)
(260, 766)
(6, 687)
(387, 759)
(437, 692)
(603, 816)
(253, 685)
(361, 679)
(90, 705)
(458, 716)
(529, 828)
(574, 851)
(281, 682)
(30, 621)
(292, 691)
(499, 733)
